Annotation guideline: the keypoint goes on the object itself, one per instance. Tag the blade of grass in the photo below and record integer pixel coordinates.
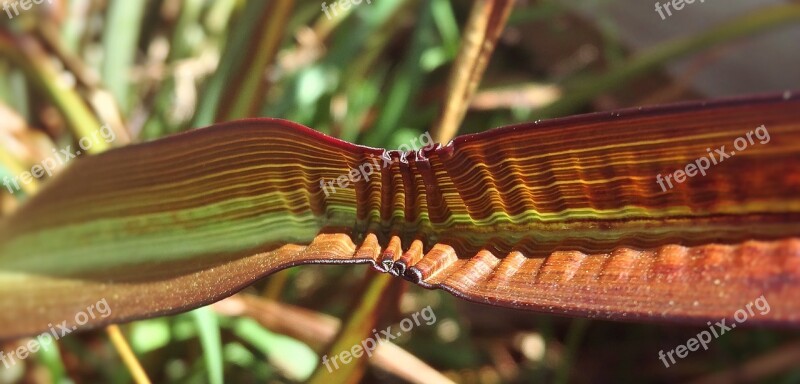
(293, 359)
(101, 100)
(189, 16)
(406, 82)
(74, 25)
(122, 27)
(486, 23)
(208, 331)
(218, 17)
(247, 89)
(14, 90)
(29, 56)
(359, 326)
(128, 357)
(50, 357)
(446, 24)
(213, 91)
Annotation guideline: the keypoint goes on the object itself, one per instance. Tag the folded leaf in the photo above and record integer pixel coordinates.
(563, 216)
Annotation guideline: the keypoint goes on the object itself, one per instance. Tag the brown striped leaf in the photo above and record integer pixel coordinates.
(562, 216)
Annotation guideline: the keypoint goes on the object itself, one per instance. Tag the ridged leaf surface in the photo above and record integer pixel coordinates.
(562, 216)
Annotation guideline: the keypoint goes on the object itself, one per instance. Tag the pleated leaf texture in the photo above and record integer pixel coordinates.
(566, 216)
